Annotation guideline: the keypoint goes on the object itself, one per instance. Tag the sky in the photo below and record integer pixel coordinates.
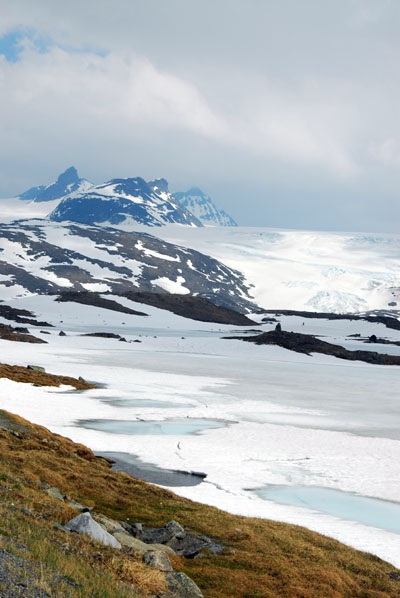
(286, 113)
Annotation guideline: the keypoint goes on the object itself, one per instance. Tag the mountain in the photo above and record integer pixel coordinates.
(202, 206)
(40, 257)
(124, 201)
(68, 182)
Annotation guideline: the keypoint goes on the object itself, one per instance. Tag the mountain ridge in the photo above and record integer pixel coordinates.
(202, 206)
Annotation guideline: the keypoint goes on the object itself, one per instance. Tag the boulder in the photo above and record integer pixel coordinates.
(189, 545)
(161, 535)
(78, 507)
(181, 586)
(110, 525)
(130, 542)
(158, 559)
(84, 524)
(36, 368)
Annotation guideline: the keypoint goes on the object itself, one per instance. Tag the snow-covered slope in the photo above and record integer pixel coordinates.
(67, 182)
(124, 201)
(202, 206)
(39, 256)
(306, 270)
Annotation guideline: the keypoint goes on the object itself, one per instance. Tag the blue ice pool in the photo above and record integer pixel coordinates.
(168, 426)
(369, 511)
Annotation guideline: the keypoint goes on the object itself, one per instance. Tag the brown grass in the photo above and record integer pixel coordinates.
(262, 558)
(19, 373)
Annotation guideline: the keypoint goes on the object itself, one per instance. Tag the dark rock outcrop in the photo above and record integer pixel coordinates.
(96, 300)
(307, 344)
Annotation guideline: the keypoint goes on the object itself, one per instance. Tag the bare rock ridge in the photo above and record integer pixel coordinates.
(307, 344)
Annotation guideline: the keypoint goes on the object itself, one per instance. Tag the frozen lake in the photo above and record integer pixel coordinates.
(303, 422)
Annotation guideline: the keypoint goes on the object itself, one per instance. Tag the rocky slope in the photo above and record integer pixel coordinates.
(43, 257)
(45, 480)
(202, 206)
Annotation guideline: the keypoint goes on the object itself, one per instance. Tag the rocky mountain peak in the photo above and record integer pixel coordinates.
(70, 175)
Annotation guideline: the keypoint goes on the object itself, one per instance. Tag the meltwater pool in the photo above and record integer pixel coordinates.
(345, 505)
(168, 426)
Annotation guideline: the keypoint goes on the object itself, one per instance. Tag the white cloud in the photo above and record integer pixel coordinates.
(387, 152)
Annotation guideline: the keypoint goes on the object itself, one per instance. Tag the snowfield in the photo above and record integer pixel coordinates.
(310, 270)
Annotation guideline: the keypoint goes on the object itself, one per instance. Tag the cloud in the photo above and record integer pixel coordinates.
(387, 152)
(279, 99)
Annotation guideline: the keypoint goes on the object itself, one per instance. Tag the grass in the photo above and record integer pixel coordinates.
(262, 558)
(19, 373)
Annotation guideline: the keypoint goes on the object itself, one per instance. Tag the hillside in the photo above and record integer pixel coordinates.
(261, 558)
(43, 257)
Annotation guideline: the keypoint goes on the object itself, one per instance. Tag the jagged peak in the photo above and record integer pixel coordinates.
(70, 175)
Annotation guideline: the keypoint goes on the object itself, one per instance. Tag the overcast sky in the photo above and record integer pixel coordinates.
(285, 111)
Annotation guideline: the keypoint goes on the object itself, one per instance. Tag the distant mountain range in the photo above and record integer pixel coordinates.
(202, 206)
(125, 202)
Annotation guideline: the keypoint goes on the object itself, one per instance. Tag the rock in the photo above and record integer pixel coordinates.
(181, 586)
(36, 368)
(78, 507)
(61, 333)
(110, 525)
(278, 327)
(189, 545)
(54, 493)
(158, 559)
(84, 524)
(130, 542)
(162, 547)
(161, 535)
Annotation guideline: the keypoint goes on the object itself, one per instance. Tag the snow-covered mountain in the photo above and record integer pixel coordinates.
(202, 206)
(67, 182)
(124, 201)
(39, 256)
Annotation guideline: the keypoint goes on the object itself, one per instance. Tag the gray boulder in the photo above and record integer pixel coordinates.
(130, 542)
(158, 559)
(84, 524)
(161, 535)
(181, 586)
(35, 368)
